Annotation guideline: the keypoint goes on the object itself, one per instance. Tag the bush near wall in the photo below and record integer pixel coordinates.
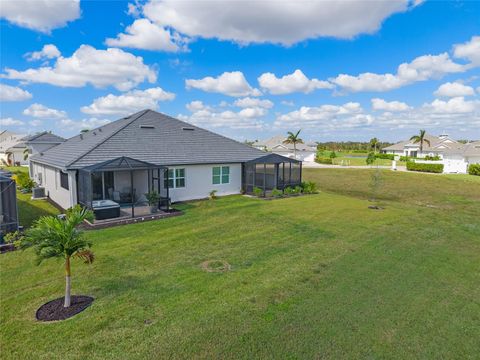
(474, 169)
(327, 161)
(431, 168)
(385, 156)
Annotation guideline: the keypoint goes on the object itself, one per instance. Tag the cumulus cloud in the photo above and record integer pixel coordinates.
(394, 106)
(13, 93)
(454, 89)
(87, 65)
(229, 83)
(43, 112)
(40, 15)
(456, 105)
(295, 82)
(253, 102)
(422, 68)
(74, 126)
(469, 50)
(48, 51)
(143, 34)
(129, 102)
(10, 122)
(279, 22)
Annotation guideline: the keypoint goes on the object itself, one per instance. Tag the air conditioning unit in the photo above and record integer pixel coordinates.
(38, 193)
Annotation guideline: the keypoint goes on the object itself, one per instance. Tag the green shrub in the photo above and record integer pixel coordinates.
(298, 189)
(289, 190)
(406, 158)
(277, 193)
(309, 187)
(257, 192)
(212, 195)
(24, 182)
(474, 169)
(370, 158)
(327, 161)
(385, 156)
(432, 158)
(333, 155)
(431, 168)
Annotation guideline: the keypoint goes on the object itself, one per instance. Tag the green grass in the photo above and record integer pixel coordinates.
(358, 159)
(318, 276)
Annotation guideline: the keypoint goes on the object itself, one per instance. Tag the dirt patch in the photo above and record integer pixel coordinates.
(215, 266)
(54, 310)
(375, 207)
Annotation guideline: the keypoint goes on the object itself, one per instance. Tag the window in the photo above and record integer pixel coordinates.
(64, 180)
(176, 178)
(220, 175)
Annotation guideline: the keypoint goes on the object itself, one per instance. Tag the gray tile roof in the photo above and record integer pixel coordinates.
(151, 137)
(43, 138)
(436, 144)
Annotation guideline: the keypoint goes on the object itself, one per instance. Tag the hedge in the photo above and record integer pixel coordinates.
(385, 156)
(327, 161)
(474, 169)
(430, 168)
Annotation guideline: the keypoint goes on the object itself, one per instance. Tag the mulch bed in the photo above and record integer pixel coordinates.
(54, 310)
(215, 266)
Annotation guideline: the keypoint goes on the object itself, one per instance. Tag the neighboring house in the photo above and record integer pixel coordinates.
(149, 151)
(305, 152)
(10, 149)
(458, 159)
(436, 148)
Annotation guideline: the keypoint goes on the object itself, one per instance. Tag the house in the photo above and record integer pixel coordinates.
(276, 145)
(457, 160)
(435, 148)
(118, 163)
(10, 150)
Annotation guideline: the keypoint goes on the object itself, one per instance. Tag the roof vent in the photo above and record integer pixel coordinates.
(188, 128)
(147, 127)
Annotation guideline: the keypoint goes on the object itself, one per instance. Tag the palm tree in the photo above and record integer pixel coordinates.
(25, 154)
(52, 237)
(374, 143)
(420, 139)
(293, 139)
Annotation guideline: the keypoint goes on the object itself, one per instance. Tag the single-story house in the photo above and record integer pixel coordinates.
(436, 147)
(10, 151)
(276, 145)
(148, 151)
(458, 159)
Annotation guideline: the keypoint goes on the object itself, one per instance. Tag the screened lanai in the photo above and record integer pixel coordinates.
(270, 172)
(112, 187)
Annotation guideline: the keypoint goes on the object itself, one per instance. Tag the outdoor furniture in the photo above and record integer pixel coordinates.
(105, 209)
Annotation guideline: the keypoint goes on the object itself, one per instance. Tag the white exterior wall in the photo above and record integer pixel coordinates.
(121, 180)
(49, 178)
(17, 156)
(198, 182)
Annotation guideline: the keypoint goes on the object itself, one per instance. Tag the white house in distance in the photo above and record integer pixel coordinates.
(305, 152)
(457, 160)
(115, 165)
(10, 151)
(436, 148)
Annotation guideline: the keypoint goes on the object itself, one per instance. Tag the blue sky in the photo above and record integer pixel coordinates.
(249, 70)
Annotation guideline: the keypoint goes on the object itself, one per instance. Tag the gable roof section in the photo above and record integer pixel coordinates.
(44, 137)
(150, 137)
(436, 144)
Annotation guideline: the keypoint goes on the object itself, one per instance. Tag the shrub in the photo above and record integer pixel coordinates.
(327, 161)
(289, 190)
(333, 155)
(405, 158)
(277, 193)
(212, 195)
(298, 189)
(153, 198)
(257, 192)
(431, 168)
(370, 158)
(432, 158)
(309, 187)
(24, 182)
(474, 169)
(385, 156)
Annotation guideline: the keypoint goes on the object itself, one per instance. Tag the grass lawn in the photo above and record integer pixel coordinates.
(318, 276)
(358, 159)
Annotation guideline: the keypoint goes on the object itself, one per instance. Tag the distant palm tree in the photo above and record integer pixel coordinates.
(293, 139)
(420, 139)
(374, 143)
(52, 237)
(25, 154)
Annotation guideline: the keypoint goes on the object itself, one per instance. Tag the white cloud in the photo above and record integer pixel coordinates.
(229, 83)
(253, 102)
(143, 34)
(394, 106)
(43, 112)
(129, 102)
(454, 89)
(13, 93)
(74, 126)
(295, 82)
(40, 15)
(456, 105)
(48, 51)
(469, 50)
(196, 105)
(88, 65)
(422, 68)
(280, 22)
(10, 122)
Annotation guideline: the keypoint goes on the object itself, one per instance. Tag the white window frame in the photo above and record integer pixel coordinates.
(221, 174)
(174, 178)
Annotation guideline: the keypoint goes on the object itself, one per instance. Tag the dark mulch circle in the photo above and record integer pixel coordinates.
(54, 310)
(215, 266)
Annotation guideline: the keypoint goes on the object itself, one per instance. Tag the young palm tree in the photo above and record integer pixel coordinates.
(25, 154)
(52, 237)
(420, 139)
(374, 143)
(293, 139)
